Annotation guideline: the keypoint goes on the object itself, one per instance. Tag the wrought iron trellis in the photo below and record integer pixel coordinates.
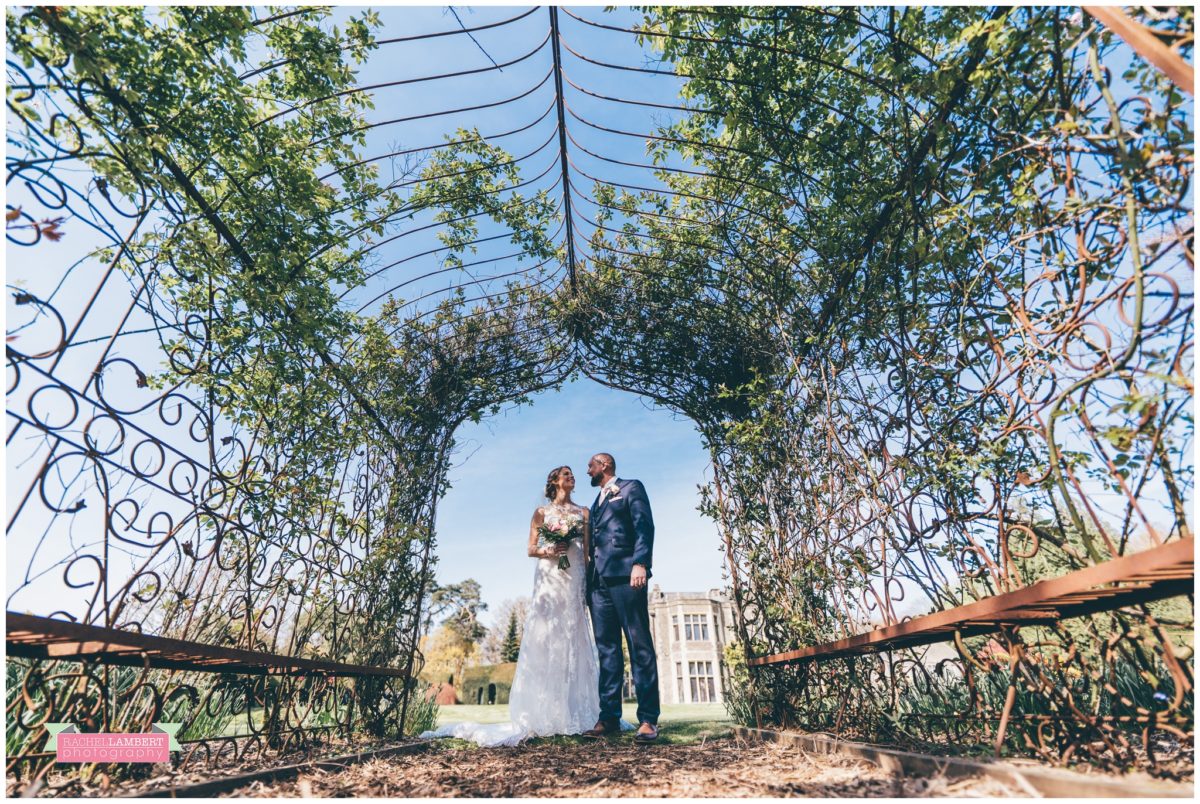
(183, 516)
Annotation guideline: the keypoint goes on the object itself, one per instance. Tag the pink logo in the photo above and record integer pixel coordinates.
(153, 746)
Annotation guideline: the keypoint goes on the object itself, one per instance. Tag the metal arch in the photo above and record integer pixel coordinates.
(213, 473)
(556, 38)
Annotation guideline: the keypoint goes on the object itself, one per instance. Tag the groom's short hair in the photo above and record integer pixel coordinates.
(609, 459)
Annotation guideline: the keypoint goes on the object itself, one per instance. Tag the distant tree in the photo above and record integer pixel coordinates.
(464, 618)
(445, 656)
(512, 641)
(458, 604)
(492, 647)
(456, 643)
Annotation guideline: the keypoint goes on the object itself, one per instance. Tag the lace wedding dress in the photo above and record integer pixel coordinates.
(555, 690)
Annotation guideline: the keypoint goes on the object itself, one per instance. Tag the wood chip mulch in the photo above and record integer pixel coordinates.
(714, 768)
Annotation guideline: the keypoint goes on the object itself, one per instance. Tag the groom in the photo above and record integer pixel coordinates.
(619, 565)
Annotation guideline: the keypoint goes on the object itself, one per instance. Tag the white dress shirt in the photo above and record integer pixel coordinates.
(609, 490)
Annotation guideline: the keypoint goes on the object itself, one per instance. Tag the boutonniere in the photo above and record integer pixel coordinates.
(614, 491)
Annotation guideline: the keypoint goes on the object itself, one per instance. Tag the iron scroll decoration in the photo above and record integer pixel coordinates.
(907, 470)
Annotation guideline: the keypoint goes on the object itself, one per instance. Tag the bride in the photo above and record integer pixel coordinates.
(555, 690)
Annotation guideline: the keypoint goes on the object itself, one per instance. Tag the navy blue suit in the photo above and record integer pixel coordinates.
(623, 535)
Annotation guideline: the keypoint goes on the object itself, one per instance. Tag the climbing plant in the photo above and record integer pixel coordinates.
(921, 277)
(934, 237)
(299, 515)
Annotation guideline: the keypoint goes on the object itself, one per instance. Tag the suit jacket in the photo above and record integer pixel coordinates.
(622, 531)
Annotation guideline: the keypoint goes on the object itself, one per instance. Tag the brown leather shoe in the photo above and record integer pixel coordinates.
(603, 727)
(646, 733)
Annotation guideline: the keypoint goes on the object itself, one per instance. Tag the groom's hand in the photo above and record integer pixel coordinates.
(637, 578)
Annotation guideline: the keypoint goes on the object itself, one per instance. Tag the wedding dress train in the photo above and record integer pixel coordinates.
(555, 689)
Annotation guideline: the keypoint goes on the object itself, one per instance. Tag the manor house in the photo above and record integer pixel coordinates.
(690, 631)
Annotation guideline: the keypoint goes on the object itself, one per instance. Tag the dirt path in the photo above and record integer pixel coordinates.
(716, 767)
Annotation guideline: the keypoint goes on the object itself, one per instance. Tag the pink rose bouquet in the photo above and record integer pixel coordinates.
(561, 531)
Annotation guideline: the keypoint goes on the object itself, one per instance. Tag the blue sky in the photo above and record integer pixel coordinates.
(501, 467)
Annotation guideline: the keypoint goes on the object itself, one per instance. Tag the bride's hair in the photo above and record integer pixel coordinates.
(552, 483)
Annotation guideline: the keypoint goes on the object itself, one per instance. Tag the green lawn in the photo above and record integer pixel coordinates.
(671, 713)
(680, 723)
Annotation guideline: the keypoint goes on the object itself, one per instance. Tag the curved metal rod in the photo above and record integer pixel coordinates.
(396, 40)
(411, 257)
(858, 20)
(792, 262)
(476, 168)
(708, 146)
(446, 144)
(429, 115)
(720, 201)
(683, 171)
(485, 311)
(517, 255)
(881, 86)
(387, 240)
(733, 82)
(384, 219)
(404, 82)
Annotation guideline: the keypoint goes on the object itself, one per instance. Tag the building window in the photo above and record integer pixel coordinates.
(703, 687)
(675, 625)
(695, 627)
(682, 694)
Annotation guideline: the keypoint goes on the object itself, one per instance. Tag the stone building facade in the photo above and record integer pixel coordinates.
(690, 631)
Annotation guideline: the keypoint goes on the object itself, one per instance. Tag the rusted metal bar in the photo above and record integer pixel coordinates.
(1160, 572)
(1147, 45)
(212, 787)
(46, 638)
(1043, 781)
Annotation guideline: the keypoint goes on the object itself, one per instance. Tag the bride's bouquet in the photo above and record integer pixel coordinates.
(562, 531)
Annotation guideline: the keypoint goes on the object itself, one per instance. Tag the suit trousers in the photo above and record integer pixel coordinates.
(617, 608)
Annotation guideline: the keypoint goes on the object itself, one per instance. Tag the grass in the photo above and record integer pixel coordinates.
(681, 724)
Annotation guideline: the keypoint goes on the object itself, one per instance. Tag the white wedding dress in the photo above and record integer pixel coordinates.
(556, 687)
